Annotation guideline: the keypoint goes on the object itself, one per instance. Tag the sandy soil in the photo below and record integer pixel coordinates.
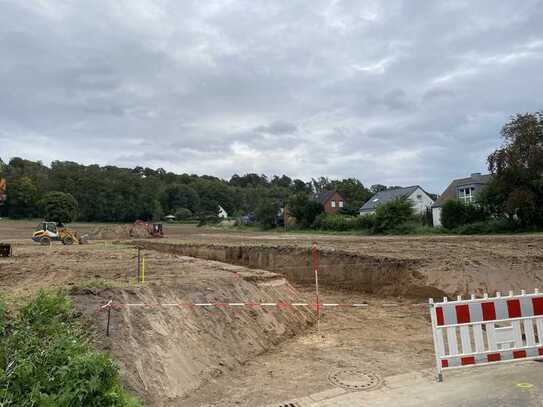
(221, 358)
(180, 357)
(381, 339)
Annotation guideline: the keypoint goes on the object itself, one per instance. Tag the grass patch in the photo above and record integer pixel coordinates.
(45, 359)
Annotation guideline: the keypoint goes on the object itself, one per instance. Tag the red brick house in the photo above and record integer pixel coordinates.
(332, 201)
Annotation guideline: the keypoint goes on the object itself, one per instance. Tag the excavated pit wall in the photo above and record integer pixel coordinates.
(338, 269)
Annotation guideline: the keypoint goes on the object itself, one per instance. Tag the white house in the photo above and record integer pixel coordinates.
(222, 213)
(463, 189)
(419, 198)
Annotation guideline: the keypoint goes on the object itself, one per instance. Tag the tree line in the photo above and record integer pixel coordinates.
(513, 200)
(114, 194)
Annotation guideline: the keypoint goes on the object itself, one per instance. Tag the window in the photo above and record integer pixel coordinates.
(419, 197)
(341, 204)
(466, 195)
(333, 203)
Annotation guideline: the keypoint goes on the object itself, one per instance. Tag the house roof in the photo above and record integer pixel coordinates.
(388, 195)
(325, 196)
(450, 192)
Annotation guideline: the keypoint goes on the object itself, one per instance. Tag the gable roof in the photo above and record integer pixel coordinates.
(325, 196)
(388, 195)
(450, 192)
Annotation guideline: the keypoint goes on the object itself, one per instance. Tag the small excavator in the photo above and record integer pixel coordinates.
(48, 232)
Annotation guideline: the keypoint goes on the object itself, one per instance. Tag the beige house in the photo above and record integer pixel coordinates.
(463, 189)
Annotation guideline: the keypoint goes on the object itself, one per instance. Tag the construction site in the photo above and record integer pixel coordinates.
(204, 317)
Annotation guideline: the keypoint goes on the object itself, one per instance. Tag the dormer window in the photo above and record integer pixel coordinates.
(466, 195)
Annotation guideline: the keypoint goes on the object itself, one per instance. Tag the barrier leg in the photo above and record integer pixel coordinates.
(315, 261)
(433, 318)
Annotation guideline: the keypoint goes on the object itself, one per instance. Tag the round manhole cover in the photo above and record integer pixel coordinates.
(354, 379)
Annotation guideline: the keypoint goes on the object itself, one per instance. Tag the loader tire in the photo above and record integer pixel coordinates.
(45, 241)
(67, 241)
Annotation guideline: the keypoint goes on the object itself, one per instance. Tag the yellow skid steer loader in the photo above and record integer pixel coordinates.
(47, 232)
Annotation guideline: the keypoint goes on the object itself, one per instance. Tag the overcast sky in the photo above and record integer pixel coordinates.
(392, 92)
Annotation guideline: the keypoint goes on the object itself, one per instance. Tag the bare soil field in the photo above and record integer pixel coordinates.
(183, 356)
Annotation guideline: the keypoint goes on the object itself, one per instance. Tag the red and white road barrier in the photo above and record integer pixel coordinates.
(491, 330)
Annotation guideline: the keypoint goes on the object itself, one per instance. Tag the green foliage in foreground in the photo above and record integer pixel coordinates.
(45, 360)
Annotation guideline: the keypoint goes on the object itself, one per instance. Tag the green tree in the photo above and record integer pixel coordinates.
(393, 214)
(374, 189)
(516, 190)
(266, 213)
(296, 205)
(180, 196)
(312, 209)
(305, 210)
(22, 198)
(60, 207)
(322, 184)
(354, 192)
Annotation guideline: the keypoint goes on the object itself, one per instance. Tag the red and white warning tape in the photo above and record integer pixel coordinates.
(280, 305)
(253, 305)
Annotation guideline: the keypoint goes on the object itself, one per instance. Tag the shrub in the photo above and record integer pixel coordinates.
(46, 361)
(334, 222)
(455, 213)
(183, 213)
(392, 214)
(488, 227)
(208, 218)
(363, 222)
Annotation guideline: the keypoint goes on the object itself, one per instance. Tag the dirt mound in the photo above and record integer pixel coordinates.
(168, 352)
(111, 232)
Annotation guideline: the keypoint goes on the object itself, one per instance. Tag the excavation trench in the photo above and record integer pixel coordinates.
(168, 346)
(337, 268)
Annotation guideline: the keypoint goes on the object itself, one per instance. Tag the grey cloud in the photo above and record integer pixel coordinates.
(397, 92)
(277, 128)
